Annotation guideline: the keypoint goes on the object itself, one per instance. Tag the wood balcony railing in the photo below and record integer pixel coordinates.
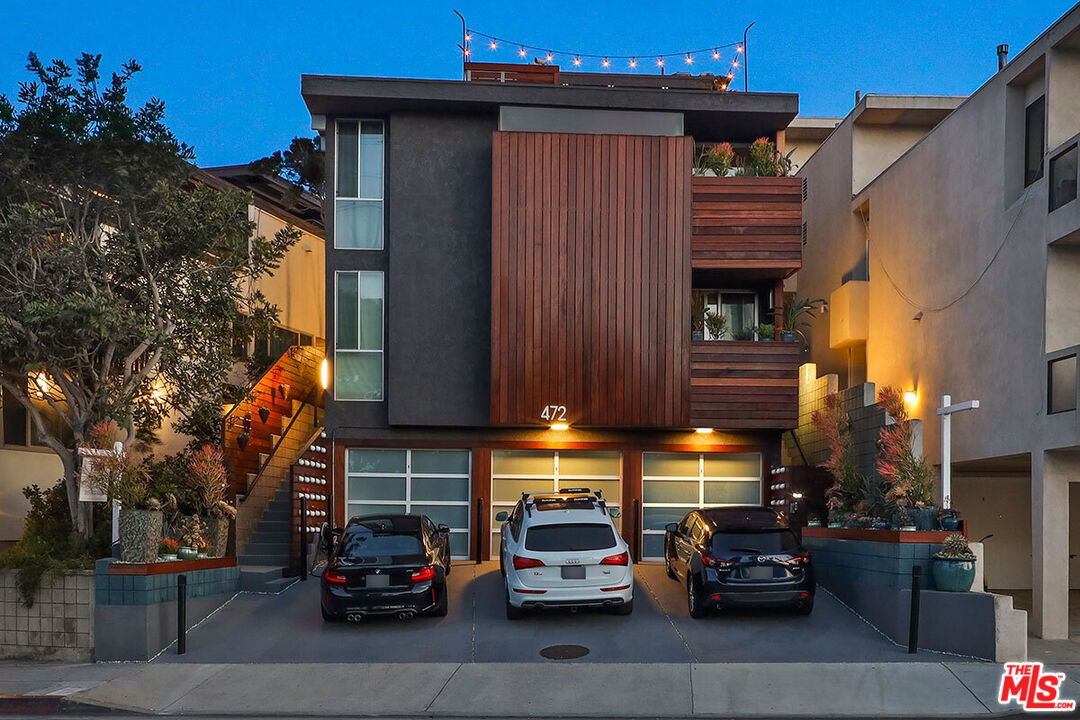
(745, 385)
(748, 223)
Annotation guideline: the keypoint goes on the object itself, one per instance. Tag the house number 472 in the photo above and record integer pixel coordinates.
(554, 413)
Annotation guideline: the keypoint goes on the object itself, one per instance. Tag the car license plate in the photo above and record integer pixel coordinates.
(378, 581)
(573, 572)
(759, 572)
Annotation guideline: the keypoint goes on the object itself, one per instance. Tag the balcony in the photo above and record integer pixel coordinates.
(753, 224)
(744, 385)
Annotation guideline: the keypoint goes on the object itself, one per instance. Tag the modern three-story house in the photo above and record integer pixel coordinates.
(518, 273)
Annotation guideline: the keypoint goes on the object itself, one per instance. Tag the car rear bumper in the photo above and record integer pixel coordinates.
(341, 602)
(727, 594)
(618, 592)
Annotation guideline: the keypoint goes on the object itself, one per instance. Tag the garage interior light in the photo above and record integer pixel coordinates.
(703, 431)
(560, 426)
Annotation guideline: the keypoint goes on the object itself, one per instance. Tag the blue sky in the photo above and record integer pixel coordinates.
(229, 71)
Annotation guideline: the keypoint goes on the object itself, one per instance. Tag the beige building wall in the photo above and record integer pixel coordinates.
(297, 286)
(20, 468)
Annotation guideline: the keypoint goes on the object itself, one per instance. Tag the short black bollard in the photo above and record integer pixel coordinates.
(913, 628)
(181, 614)
(303, 540)
(479, 525)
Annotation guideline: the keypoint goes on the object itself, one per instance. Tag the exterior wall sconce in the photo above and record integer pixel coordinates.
(560, 426)
(918, 316)
(911, 398)
(703, 431)
(324, 373)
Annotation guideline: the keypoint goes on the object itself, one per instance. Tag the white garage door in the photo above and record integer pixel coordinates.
(673, 484)
(428, 482)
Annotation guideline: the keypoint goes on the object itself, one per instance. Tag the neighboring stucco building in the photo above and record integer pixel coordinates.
(945, 234)
(296, 287)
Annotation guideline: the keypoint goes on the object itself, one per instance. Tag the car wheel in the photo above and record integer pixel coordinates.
(626, 608)
(693, 604)
(443, 605)
(667, 566)
(327, 616)
(512, 612)
(806, 608)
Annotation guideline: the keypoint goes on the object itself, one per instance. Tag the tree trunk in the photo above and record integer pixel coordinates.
(70, 458)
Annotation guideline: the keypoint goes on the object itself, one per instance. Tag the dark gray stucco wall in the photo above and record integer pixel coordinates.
(438, 278)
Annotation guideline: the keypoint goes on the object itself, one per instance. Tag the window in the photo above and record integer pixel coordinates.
(1063, 178)
(358, 342)
(20, 430)
(427, 482)
(516, 471)
(569, 537)
(1034, 140)
(358, 201)
(675, 483)
(1061, 384)
(739, 309)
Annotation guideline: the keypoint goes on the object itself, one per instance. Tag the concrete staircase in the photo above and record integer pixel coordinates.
(266, 554)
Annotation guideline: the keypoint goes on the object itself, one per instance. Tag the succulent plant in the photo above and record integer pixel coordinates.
(955, 547)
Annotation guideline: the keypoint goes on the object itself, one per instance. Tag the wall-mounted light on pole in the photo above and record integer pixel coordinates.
(946, 411)
(324, 373)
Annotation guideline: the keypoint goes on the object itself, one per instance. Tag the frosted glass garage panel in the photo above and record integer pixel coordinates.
(522, 462)
(376, 461)
(725, 465)
(376, 488)
(609, 489)
(670, 491)
(589, 463)
(671, 464)
(508, 490)
(357, 509)
(732, 492)
(655, 518)
(437, 488)
(456, 516)
(440, 462)
(652, 546)
(459, 543)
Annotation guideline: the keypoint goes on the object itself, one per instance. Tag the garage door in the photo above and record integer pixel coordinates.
(516, 471)
(428, 482)
(673, 484)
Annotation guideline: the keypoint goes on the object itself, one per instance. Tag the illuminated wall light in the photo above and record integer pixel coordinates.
(560, 426)
(324, 373)
(911, 397)
(703, 431)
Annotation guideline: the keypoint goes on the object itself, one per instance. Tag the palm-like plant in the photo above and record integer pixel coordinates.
(798, 312)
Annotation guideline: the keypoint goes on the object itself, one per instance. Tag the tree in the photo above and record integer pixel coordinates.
(303, 165)
(120, 279)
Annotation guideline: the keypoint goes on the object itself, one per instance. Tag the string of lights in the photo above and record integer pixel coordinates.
(684, 58)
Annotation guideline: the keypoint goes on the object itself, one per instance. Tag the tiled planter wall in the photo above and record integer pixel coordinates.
(879, 564)
(58, 626)
(152, 589)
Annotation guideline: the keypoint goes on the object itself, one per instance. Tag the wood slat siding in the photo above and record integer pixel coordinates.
(744, 385)
(748, 223)
(591, 279)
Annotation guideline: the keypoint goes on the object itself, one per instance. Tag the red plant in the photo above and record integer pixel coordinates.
(832, 422)
(907, 474)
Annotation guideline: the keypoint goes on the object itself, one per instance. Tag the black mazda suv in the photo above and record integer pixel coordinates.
(387, 565)
(739, 556)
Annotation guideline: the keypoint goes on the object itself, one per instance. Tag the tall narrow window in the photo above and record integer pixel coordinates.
(358, 203)
(1034, 140)
(358, 341)
(1063, 178)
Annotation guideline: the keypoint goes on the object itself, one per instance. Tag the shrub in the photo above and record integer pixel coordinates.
(910, 483)
(846, 492)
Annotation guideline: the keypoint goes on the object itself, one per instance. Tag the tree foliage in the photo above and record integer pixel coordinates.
(302, 164)
(122, 282)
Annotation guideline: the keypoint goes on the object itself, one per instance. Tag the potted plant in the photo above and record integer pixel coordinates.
(950, 519)
(797, 312)
(202, 548)
(903, 520)
(126, 481)
(766, 332)
(716, 160)
(910, 484)
(744, 333)
(954, 565)
(208, 482)
(715, 324)
(766, 160)
(191, 537)
(925, 517)
(168, 548)
(813, 521)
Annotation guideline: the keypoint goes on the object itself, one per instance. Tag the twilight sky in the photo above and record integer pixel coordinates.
(229, 71)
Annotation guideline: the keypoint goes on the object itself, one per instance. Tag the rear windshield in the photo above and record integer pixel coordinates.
(765, 542)
(379, 537)
(569, 537)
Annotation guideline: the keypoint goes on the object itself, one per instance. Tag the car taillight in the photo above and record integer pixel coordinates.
(714, 562)
(620, 559)
(521, 563)
(801, 559)
(424, 573)
(334, 577)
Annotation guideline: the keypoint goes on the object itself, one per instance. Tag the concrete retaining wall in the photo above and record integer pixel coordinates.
(57, 626)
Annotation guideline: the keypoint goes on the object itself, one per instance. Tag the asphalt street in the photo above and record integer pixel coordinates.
(287, 628)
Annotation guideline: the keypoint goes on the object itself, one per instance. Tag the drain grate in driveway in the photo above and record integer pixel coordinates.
(564, 652)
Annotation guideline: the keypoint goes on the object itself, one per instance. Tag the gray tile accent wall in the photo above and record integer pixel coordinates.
(57, 626)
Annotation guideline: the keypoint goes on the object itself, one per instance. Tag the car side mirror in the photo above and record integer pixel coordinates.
(501, 516)
(443, 528)
(615, 512)
(672, 528)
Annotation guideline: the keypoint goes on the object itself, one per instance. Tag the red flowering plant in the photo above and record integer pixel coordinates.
(906, 474)
(844, 496)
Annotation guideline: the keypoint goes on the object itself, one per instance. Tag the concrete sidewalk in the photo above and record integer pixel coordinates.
(527, 689)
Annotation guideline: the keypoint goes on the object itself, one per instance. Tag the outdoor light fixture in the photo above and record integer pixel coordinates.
(560, 426)
(703, 431)
(911, 397)
(324, 373)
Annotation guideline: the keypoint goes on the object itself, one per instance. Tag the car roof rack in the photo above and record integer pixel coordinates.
(529, 500)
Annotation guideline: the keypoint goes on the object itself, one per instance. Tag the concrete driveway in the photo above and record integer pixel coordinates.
(288, 628)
